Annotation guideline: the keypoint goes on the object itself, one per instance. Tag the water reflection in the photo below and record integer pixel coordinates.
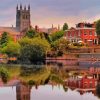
(36, 83)
(23, 92)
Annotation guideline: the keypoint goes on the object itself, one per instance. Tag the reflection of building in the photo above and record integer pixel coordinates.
(23, 92)
(84, 32)
(83, 84)
(95, 72)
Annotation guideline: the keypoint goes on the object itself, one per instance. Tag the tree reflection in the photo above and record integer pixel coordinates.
(98, 90)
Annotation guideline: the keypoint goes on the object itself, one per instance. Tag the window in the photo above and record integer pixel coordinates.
(85, 85)
(23, 16)
(91, 85)
(79, 33)
(90, 32)
(85, 40)
(85, 32)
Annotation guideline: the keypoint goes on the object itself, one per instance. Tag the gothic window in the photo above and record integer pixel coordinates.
(26, 17)
(23, 16)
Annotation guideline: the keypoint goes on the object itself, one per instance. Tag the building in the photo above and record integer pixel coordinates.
(47, 30)
(82, 82)
(84, 32)
(23, 18)
(22, 23)
(53, 29)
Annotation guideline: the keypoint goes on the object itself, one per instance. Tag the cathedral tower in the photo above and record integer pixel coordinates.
(23, 18)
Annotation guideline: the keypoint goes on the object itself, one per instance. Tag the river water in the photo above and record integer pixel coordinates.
(41, 91)
(46, 93)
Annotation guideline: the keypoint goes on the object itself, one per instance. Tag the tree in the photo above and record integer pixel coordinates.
(98, 27)
(4, 39)
(30, 33)
(12, 49)
(65, 26)
(33, 49)
(56, 35)
(60, 45)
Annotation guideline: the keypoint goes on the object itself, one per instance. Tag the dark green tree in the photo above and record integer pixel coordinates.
(4, 39)
(33, 49)
(57, 35)
(30, 33)
(65, 26)
(98, 27)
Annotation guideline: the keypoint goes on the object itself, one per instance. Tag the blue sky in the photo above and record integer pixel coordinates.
(47, 12)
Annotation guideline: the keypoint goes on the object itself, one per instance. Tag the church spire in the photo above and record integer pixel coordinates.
(17, 7)
(29, 7)
(20, 6)
(58, 27)
(25, 7)
(52, 26)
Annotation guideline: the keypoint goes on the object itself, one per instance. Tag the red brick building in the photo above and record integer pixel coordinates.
(84, 32)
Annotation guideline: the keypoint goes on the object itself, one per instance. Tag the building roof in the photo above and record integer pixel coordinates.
(10, 30)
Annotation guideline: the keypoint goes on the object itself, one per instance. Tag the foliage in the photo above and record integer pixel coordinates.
(31, 82)
(30, 33)
(56, 78)
(98, 27)
(57, 35)
(12, 49)
(33, 49)
(78, 44)
(98, 90)
(4, 74)
(60, 45)
(65, 26)
(48, 37)
(4, 39)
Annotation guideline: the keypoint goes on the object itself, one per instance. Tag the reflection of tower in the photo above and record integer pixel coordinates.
(23, 92)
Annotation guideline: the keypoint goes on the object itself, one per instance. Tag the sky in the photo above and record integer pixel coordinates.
(44, 13)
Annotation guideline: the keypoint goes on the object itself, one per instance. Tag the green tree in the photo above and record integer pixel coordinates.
(65, 26)
(56, 35)
(4, 39)
(30, 33)
(61, 45)
(33, 49)
(12, 49)
(98, 27)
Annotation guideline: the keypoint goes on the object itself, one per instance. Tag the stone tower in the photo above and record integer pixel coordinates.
(22, 18)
